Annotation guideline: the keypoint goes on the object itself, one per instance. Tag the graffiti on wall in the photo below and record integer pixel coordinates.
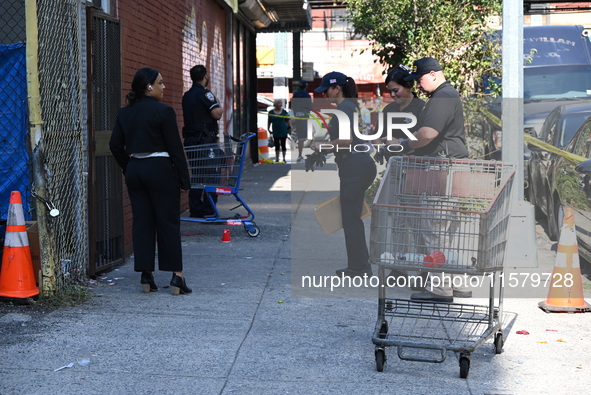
(203, 44)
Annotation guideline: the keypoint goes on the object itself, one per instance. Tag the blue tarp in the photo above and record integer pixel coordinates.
(14, 156)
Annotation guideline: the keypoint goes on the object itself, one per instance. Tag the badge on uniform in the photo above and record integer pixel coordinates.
(210, 96)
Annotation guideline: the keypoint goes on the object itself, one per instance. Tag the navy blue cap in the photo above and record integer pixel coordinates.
(303, 84)
(331, 79)
(423, 66)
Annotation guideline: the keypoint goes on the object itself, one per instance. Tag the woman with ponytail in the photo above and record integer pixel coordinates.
(147, 145)
(356, 169)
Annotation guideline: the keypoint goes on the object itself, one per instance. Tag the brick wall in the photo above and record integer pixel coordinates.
(171, 37)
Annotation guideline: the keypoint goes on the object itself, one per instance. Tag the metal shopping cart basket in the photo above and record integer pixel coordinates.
(440, 215)
(217, 168)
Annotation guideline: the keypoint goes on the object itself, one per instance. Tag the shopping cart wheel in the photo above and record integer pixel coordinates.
(252, 229)
(380, 359)
(499, 342)
(383, 330)
(464, 365)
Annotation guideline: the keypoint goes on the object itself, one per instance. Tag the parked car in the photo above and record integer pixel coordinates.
(558, 130)
(556, 71)
(569, 185)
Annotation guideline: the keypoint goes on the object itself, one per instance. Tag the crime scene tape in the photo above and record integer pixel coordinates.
(529, 139)
(576, 159)
(315, 115)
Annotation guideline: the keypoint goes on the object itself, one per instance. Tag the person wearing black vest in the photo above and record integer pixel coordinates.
(441, 133)
(201, 112)
(147, 146)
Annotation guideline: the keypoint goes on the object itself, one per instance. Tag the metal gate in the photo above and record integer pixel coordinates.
(105, 186)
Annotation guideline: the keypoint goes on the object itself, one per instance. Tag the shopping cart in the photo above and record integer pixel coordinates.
(440, 215)
(217, 168)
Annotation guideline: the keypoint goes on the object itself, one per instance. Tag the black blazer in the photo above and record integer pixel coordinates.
(149, 126)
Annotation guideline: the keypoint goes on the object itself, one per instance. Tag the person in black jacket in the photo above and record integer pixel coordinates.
(147, 145)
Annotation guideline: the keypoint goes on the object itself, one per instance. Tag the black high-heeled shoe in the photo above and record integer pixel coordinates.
(178, 286)
(148, 284)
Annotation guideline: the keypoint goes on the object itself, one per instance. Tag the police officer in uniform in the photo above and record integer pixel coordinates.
(201, 112)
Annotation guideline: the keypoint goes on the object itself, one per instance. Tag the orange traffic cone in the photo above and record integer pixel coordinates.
(226, 236)
(566, 284)
(16, 276)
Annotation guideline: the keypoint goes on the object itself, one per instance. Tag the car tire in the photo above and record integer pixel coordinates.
(531, 197)
(554, 216)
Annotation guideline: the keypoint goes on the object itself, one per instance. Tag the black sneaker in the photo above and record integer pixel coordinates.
(429, 296)
(353, 273)
(462, 294)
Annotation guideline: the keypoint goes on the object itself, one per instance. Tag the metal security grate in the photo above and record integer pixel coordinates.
(106, 189)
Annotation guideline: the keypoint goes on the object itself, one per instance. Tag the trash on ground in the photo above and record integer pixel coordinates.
(71, 364)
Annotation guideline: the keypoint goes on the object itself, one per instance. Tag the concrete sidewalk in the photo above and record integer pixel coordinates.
(244, 330)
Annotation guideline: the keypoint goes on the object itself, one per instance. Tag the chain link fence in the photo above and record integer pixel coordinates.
(61, 78)
(57, 156)
(14, 157)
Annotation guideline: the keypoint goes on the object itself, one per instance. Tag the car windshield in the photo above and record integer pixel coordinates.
(570, 124)
(553, 45)
(552, 82)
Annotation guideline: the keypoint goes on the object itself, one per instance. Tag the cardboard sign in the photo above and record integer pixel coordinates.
(328, 214)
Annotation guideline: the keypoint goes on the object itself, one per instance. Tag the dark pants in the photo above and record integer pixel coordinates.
(280, 145)
(154, 189)
(356, 173)
(199, 204)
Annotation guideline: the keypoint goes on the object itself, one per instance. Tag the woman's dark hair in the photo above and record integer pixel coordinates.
(350, 89)
(141, 79)
(398, 74)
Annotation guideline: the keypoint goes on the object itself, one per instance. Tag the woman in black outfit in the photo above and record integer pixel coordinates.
(357, 171)
(405, 100)
(146, 144)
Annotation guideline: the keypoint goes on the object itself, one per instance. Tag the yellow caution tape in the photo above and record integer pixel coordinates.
(315, 115)
(576, 159)
(529, 139)
(492, 117)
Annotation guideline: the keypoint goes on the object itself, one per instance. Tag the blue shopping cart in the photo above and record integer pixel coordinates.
(217, 169)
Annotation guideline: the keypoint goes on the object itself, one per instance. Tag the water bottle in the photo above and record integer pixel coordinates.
(411, 257)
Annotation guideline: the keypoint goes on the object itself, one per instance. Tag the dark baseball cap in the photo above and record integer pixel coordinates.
(331, 79)
(423, 66)
(303, 84)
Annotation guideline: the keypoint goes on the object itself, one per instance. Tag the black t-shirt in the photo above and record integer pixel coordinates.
(415, 107)
(444, 113)
(301, 104)
(197, 105)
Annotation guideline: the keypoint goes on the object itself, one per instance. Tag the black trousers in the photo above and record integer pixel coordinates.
(356, 173)
(199, 203)
(154, 189)
(280, 144)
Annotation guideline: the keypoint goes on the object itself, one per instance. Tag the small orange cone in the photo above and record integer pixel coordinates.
(226, 236)
(566, 284)
(16, 276)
